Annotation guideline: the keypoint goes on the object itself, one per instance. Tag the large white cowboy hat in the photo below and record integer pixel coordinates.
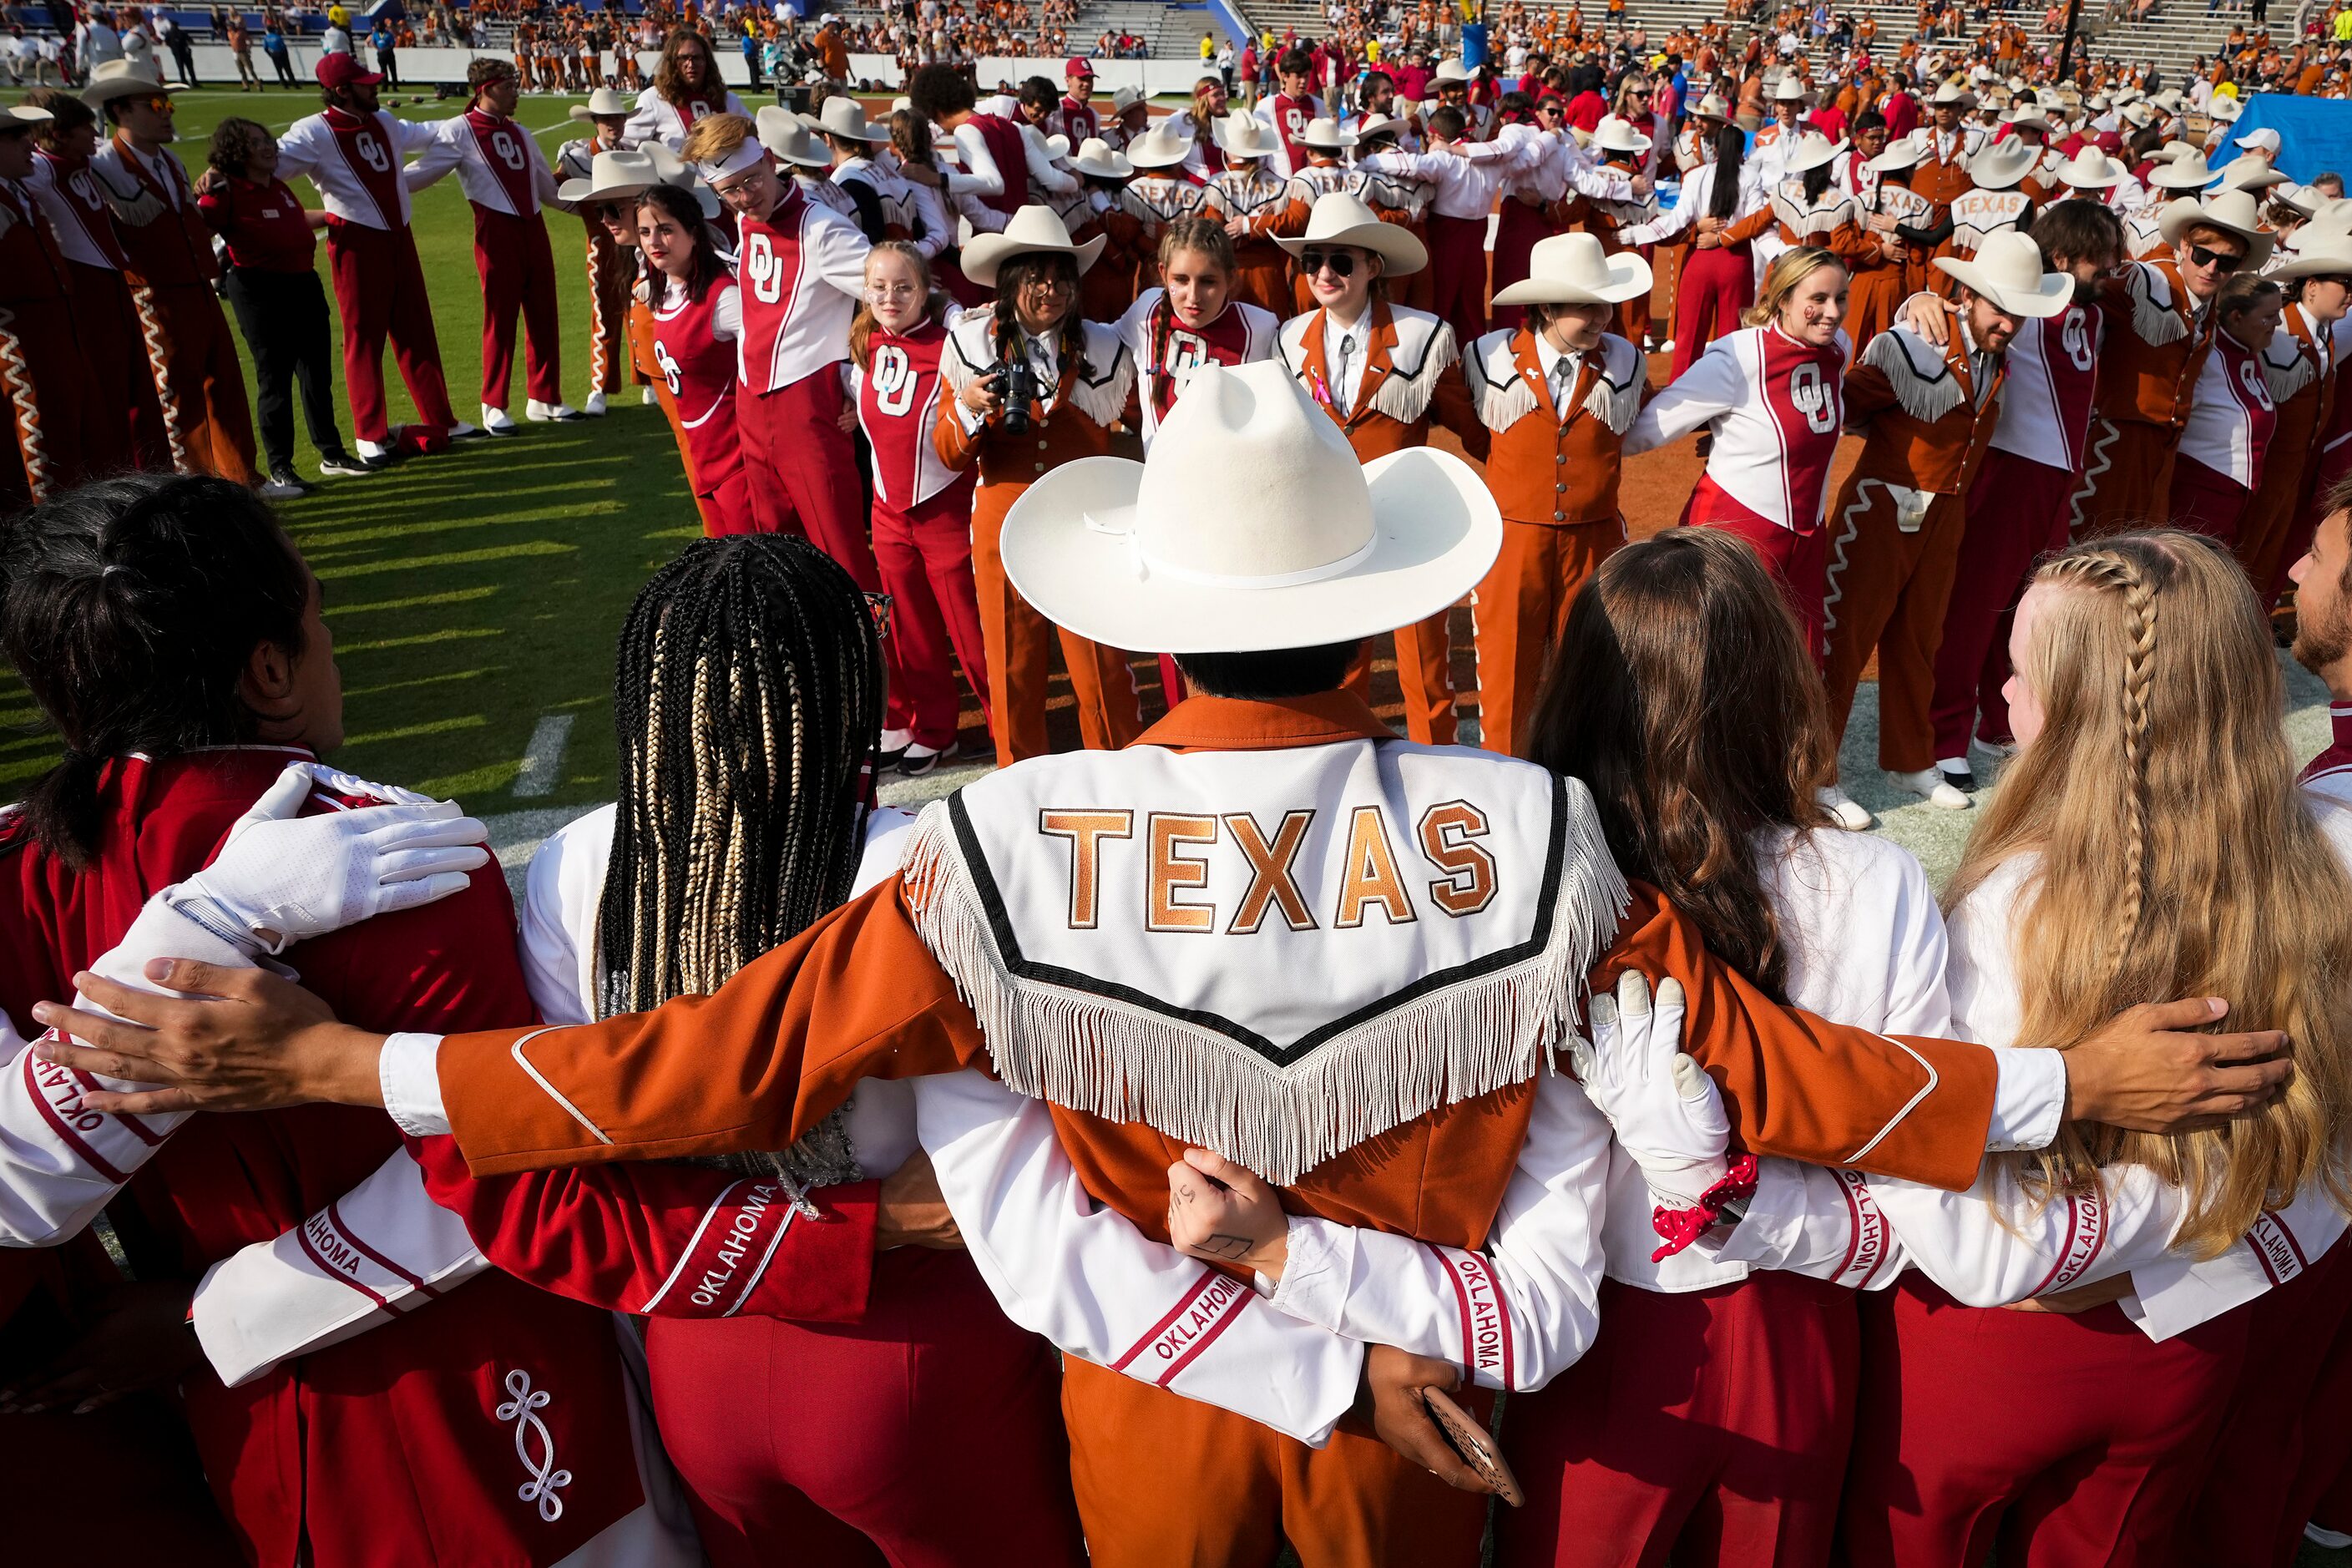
(25, 115)
(2232, 212)
(786, 137)
(2007, 270)
(1616, 135)
(2224, 108)
(1372, 125)
(2027, 118)
(1326, 134)
(1249, 526)
(2088, 170)
(1096, 158)
(1711, 107)
(2324, 256)
(1034, 230)
(1903, 153)
(2188, 174)
(1126, 97)
(1057, 147)
(620, 175)
(2138, 116)
(111, 79)
(2302, 198)
(603, 103)
(1573, 269)
(1953, 92)
(844, 117)
(1158, 148)
(1338, 218)
(1452, 69)
(2001, 165)
(1242, 134)
(2250, 173)
(1791, 89)
(1811, 150)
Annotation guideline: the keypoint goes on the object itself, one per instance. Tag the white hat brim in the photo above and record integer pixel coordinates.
(108, 91)
(2051, 296)
(1150, 158)
(1400, 249)
(1629, 278)
(1436, 532)
(1119, 168)
(2182, 215)
(989, 252)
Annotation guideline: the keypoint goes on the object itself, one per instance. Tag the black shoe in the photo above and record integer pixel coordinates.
(343, 466)
(915, 761)
(1962, 779)
(286, 482)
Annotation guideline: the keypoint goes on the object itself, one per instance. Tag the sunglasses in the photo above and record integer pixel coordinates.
(1340, 262)
(159, 103)
(2221, 261)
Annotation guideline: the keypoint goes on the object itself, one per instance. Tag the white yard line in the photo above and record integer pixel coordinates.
(542, 760)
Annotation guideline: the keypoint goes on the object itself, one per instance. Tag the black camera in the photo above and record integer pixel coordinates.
(1016, 381)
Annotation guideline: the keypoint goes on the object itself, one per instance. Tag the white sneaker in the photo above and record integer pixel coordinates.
(498, 422)
(1843, 808)
(647, 396)
(2320, 1535)
(594, 407)
(1993, 748)
(1668, 347)
(1931, 784)
(375, 451)
(551, 413)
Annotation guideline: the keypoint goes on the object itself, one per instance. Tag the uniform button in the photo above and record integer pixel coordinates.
(1559, 489)
(1560, 460)
(1559, 516)
(1041, 468)
(1041, 446)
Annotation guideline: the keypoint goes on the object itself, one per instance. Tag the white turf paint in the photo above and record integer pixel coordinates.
(542, 760)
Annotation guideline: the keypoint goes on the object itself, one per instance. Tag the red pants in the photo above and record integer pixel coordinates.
(799, 474)
(2206, 502)
(2284, 1438)
(1716, 286)
(611, 270)
(1710, 1427)
(2017, 512)
(2072, 1442)
(726, 508)
(1518, 612)
(380, 293)
(1515, 234)
(925, 557)
(128, 430)
(1457, 274)
(48, 402)
(198, 380)
(2127, 477)
(1796, 561)
(1885, 591)
(925, 1436)
(518, 268)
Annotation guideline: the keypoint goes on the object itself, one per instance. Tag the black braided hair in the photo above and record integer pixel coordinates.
(747, 700)
(131, 609)
(1010, 278)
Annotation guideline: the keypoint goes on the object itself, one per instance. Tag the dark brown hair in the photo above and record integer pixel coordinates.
(1682, 695)
(682, 205)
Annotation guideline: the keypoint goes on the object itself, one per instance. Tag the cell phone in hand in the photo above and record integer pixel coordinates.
(1473, 1444)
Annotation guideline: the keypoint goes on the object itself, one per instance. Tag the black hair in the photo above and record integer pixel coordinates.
(1817, 181)
(1447, 122)
(1070, 337)
(1275, 673)
(937, 91)
(131, 610)
(1868, 120)
(1730, 147)
(747, 698)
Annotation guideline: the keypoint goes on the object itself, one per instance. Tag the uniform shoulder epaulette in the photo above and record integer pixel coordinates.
(2286, 367)
(1424, 347)
(1918, 371)
(1497, 390)
(1102, 395)
(136, 206)
(2153, 315)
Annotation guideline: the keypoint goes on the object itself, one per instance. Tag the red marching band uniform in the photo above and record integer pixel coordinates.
(694, 344)
(51, 403)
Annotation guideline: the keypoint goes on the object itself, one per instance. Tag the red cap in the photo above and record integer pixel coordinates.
(1079, 67)
(339, 69)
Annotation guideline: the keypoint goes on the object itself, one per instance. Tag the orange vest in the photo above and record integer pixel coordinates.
(2144, 380)
(1551, 467)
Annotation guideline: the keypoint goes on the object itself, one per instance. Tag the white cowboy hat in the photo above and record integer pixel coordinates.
(2302, 198)
(1711, 107)
(1250, 526)
(1617, 135)
(1096, 158)
(786, 137)
(2138, 115)
(1953, 92)
(2326, 256)
(844, 117)
(603, 103)
(2088, 170)
(1338, 218)
(1903, 153)
(2007, 270)
(1126, 97)
(24, 114)
(1057, 147)
(1452, 69)
(1326, 134)
(111, 79)
(1572, 270)
(2250, 173)
(1034, 230)
(630, 171)
(2027, 118)
(1791, 89)
(2002, 165)
(1159, 149)
(2189, 174)
(2225, 109)
(1811, 150)
(2232, 212)
(1373, 125)
(1242, 134)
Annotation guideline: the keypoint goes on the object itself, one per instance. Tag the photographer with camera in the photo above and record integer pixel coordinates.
(1029, 385)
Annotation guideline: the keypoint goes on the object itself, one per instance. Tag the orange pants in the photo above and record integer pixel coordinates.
(1885, 590)
(2127, 477)
(1165, 1482)
(611, 271)
(1019, 644)
(1871, 301)
(1518, 612)
(198, 380)
(1425, 658)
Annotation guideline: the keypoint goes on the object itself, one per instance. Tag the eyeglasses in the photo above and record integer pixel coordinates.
(160, 102)
(883, 293)
(1047, 283)
(2221, 261)
(1341, 263)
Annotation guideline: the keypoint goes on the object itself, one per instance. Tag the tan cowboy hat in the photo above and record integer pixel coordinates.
(2189, 174)
(1242, 134)
(1126, 97)
(2007, 270)
(1617, 135)
(603, 104)
(786, 137)
(123, 79)
(2027, 118)
(1249, 526)
(1452, 69)
(1953, 92)
(1158, 148)
(2138, 115)
(1338, 218)
(2229, 211)
(1096, 158)
(1572, 270)
(2088, 170)
(2000, 166)
(2302, 198)
(1034, 230)
(1711, 107)
(2324, 256)
(844, 117)
(2225, 109)
(1811, 150)
(630, 171)
(1326, 134)
(2250, 173)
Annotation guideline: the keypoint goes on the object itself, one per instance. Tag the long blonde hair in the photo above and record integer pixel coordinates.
(2177, 858)
(1790, 269)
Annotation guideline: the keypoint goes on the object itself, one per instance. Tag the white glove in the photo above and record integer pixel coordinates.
(1667, 1112)
(280, 879)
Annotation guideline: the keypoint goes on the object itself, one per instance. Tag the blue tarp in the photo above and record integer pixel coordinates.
(2314, 134)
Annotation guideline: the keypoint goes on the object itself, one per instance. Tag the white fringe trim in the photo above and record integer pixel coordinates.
(2287, 380)
(1925, 399)
(1124, 1063)
(138, 207)
(1404, 394)
(2156, 322)
(1616, 395)
(1806, 222)
(1497, 390)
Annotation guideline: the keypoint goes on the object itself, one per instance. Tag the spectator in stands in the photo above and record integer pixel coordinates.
(273, 44)
(337, 39)
(386, 49)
